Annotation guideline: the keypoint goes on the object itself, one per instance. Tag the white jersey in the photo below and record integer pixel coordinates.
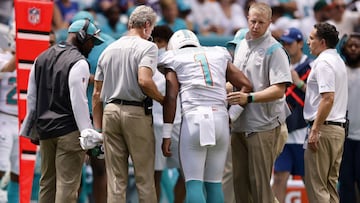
(201, 72)
(8, 95)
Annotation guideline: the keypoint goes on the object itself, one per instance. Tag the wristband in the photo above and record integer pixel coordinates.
(250, 98)
(300, 84)
(167, 129)
(99, 130)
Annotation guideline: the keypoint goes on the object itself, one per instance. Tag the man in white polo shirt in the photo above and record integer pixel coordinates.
(325, 110)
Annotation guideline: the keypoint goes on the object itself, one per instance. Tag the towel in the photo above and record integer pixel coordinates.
(90, 138)
(207, 126)
(234, 112)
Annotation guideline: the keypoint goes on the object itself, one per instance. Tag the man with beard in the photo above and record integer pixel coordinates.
(57, 109)
(350, 165)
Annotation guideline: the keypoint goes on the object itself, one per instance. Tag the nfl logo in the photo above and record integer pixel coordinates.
(34, 16)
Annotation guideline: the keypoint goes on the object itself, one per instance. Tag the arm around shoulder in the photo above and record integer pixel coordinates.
(148, 85)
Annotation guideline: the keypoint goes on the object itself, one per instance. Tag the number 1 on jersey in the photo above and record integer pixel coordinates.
(205, 67)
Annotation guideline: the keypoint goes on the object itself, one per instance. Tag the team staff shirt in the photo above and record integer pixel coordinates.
(353, 103)
(8, 96)
(120, 61)
(265, 63)
(328, 74)
(201, 84)
(78, 82)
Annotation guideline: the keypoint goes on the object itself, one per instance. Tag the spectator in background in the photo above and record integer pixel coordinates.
(154, 4)
(123, 83)
(184, 10)
(281, 22)
(112, 25)
(58, 23)
(304, 9)
(85, 4)
(291, 159)
(344, 20)
(350, 165)
(325, 110)
(321, 14)
(354, 5)
(205, 17)
(67, 9)
(259, 134)
(161, 35)
(288, 6)
(170, 15)
(103, 5)
(59, 120)
(233, 17)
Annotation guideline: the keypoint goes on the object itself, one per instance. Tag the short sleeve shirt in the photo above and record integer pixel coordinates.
(265, 63)
(201, 72)
(118, 68)
(328, 74)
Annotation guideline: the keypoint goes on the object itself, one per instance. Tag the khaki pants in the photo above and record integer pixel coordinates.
(62, 159)
(322, 167)
(227, 181)
(128, 131)
(253, 159)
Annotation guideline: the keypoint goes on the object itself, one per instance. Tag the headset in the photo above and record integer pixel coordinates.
(81, 36)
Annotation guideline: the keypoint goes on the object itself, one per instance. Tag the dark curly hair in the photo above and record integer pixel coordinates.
(327, 32)
(162, 32)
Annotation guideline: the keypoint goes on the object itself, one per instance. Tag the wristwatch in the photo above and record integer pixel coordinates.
(250, 98)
